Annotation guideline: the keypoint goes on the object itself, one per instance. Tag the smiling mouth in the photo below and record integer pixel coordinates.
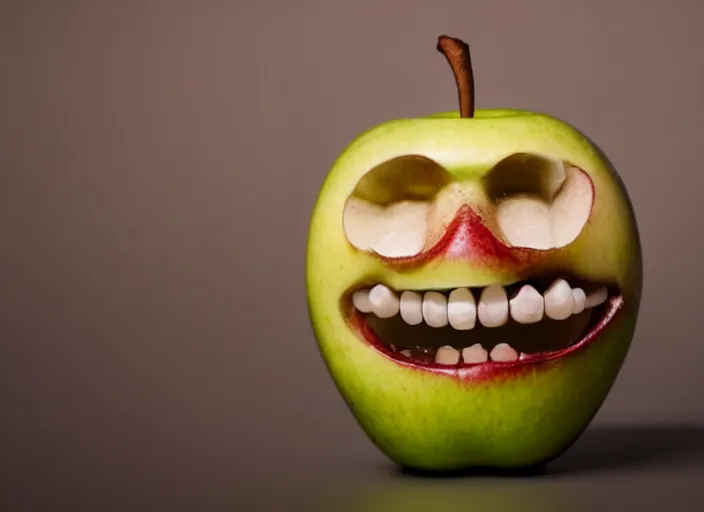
(526, 322)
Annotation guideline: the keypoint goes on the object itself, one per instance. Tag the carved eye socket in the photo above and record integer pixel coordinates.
(388, 210)
(541, 203)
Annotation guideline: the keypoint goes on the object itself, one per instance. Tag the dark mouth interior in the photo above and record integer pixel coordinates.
(419, 344)
(423, 341)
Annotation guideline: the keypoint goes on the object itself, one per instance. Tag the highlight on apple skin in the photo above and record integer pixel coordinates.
(473, 282)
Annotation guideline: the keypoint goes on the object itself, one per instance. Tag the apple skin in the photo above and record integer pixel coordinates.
(528, 413)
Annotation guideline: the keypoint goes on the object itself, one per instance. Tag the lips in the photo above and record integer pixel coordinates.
(479, 332)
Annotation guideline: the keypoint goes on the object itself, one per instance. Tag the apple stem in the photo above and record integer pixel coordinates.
(456, 52)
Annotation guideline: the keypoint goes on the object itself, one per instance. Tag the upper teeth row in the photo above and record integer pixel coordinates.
(460, 310)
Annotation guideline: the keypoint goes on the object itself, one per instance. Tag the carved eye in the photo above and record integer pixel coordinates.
(541, 203)
(388, 210)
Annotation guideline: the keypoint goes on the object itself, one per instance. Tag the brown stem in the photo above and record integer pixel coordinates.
(456, 52)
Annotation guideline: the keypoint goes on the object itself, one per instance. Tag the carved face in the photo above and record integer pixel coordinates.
(410, 212)
(475, 280)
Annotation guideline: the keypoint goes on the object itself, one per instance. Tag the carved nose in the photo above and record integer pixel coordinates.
(468, 237)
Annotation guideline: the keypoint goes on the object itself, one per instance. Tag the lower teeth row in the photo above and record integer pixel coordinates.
(461, 311)
(475, 354)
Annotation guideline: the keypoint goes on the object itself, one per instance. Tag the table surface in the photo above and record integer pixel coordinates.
(609, 468)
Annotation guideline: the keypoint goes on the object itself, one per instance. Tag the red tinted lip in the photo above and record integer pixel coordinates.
(489, 370)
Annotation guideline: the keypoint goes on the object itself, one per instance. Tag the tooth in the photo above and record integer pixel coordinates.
(475, 354)
(503, 353)
(461, 309)
(597, 297)
(360, 300)
(411, 307)
(384, 301)
(493, 306)
(527, 307)
(435, 309)
(579, 300)
(447, 355)
(559, 301)
(406, 353)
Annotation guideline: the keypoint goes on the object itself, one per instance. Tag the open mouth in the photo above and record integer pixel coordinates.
(529, 321)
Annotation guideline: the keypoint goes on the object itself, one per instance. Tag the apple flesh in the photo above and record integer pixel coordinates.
(447, 203)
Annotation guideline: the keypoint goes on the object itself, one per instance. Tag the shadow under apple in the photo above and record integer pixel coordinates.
(605, 448)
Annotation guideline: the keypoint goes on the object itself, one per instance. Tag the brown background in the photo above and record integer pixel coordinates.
(159, 165)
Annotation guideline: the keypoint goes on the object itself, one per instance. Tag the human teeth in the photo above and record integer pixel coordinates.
(447, 355)
(385, 303)
(360, 300)
(527, 307)
(475, 354)
(503, 353)
(595, 298)
(493, 306)
(461, 309)
(559, 300)
(579, 300)
(435, 309)
(411, 307)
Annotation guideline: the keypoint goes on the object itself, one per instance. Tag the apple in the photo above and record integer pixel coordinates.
(473, 282)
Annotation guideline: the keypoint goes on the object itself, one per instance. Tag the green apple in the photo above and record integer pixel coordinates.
(473, 282)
